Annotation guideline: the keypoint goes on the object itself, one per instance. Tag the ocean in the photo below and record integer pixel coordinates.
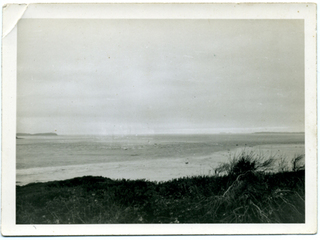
(55, 151)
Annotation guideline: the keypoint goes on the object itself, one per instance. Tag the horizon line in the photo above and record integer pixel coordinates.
(162, 133)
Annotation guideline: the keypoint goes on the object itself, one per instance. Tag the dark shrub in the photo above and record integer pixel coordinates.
(242, 166)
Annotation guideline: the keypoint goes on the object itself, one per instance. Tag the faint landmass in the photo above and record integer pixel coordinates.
(278, 133)
(37, 134)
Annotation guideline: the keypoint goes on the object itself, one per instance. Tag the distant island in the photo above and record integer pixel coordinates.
(278, 133)
(37, 134)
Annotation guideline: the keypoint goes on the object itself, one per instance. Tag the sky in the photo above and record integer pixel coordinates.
(160, 76)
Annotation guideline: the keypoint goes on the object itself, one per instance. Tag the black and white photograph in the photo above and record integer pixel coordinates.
(166, 121)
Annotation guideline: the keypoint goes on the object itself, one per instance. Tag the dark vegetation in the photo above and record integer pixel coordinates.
(243, 191)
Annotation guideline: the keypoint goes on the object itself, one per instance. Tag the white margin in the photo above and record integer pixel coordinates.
(256, 11)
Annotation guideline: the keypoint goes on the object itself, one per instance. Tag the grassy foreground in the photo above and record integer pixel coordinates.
(244, 194)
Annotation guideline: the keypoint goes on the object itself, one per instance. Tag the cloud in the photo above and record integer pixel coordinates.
(148, 75)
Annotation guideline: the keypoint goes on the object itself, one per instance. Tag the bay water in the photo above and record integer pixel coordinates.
(52, 151)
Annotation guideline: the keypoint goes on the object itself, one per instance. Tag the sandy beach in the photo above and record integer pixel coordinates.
(154, 170)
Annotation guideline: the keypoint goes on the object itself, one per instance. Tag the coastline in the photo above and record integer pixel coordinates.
(156, 170)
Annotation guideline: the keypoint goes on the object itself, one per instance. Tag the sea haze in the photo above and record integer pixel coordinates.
(53, 151)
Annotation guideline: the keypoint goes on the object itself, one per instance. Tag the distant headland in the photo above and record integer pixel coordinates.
(37, 134)
(278, 133)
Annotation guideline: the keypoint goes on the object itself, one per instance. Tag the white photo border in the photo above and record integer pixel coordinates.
(11, 15)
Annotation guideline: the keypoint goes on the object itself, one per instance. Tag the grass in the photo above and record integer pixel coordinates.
(242, 191)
